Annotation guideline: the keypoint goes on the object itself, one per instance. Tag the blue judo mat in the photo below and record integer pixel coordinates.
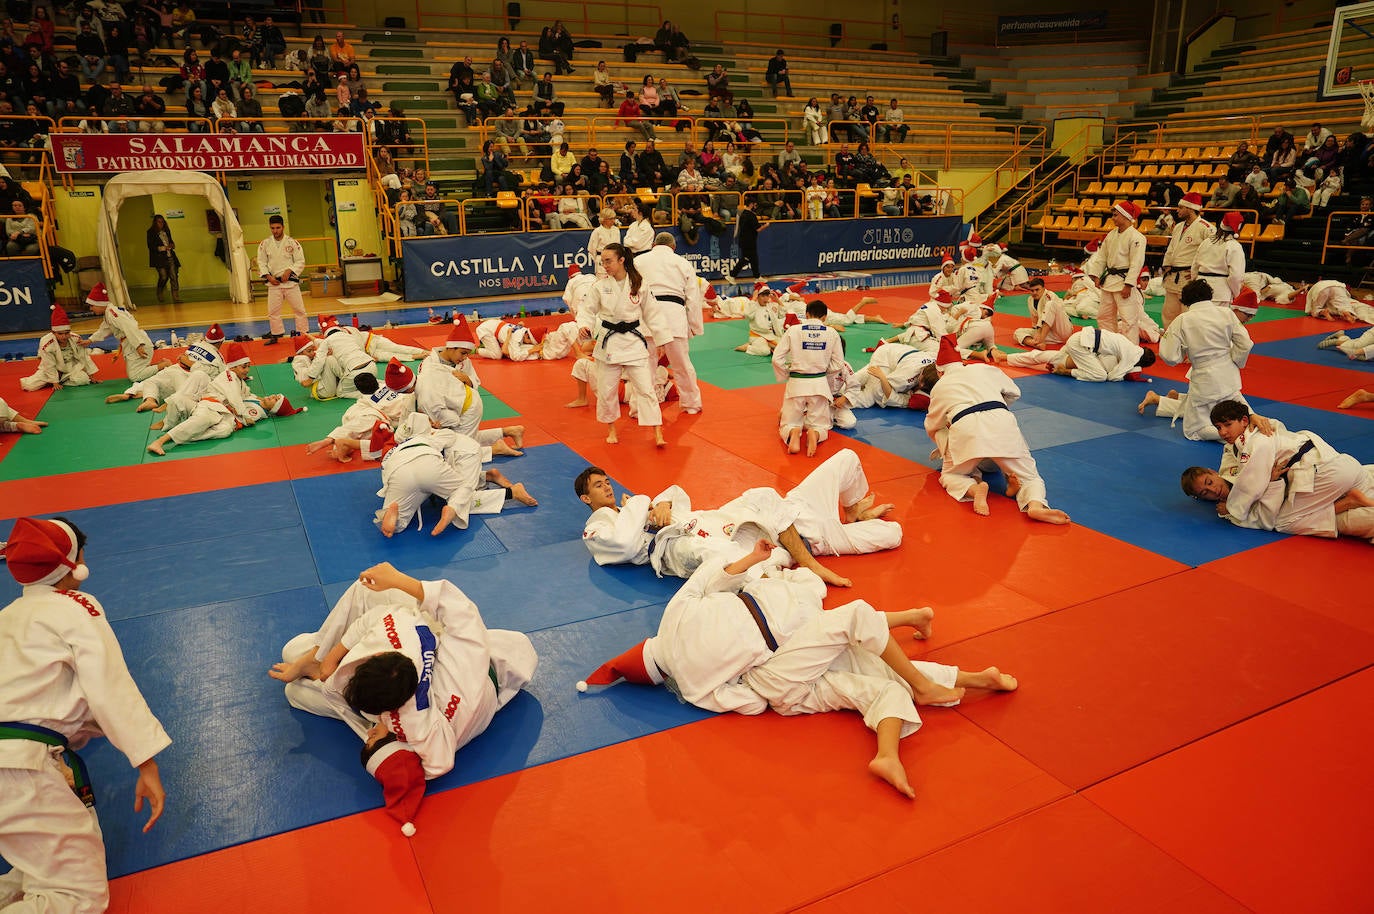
(1304, 349)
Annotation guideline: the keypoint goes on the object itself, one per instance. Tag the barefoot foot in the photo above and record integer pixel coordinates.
(991, 678)
(446, 517)
(1046, 515)
(833, 579)
(515, 433)
(117, 398)
(574, 404)
(520, 494)
(390, 517)
(314, 446)
(933, 694)
(156, 448)
(1013, 485)
(890, 769)
(979, 493)
(813, 438)
(612, 437)
(659, 440)
(920, 619)
(1355, 399)
(156, 426)
(1151, 399)
(148, 404)
(855, 511)
(500, 448)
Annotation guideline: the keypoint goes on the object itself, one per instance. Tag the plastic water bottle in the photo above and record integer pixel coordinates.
(175, 340)
(522, 312)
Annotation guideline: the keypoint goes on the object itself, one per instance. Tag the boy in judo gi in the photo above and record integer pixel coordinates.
(805, 357)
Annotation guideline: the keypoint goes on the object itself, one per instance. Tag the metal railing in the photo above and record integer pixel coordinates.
(1018, 213)
(1327, 244)
(582, 17)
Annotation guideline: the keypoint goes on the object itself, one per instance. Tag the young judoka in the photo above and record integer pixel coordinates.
(1210, 338)
(674, 283)
(338, 360)
(950, 279)
(153, 390)
(204, 352)
(1091, 354)
(391, 402)
(11, 420)
(1083, 300)
(1190, 231)
(1288, 482)
(729, 641)
(766, 318)
(1330, 300)
(1050, 325)
(923, 329)
(805, 357)
(134, 343)
(502, 339)
(65, 684)
(1268, 288)
(1008, 275)
(1116, 265)
(410, 667)
(447, 392)
(440, 462)
(888, 380)
(62, 358)
(975, 432)
(1220, 260)
(1360, 348)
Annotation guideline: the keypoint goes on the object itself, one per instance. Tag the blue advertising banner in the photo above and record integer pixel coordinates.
(479, 265)
(24, 297)
(1043, 23)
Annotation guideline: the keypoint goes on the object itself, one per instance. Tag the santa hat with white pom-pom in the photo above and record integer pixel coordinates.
(635, 665)
(60, 321)
(397, 768)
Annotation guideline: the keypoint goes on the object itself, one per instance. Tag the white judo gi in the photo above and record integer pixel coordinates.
(902, 365)
(1214, 342)
(63, 670)
(620, 536)
(1116, 265)
(121, 325)
(805, 357)
(1178, 262)
(1083, 299)
(467, 671)
(68, 365)
(925, 326)
(382, 349)
(382, 405)
(712, 653)
(208, 408)
(339, 358)
(1098, 355)
(629, 328)
(601, 236)
(1220, 260)
(498, 339)
(1008, 273)
(766, 325)
(9, 417)
(432, 461)
(970, 421)
(1268, 288)
(451, 403)
(1049, 311)
(677, 289)
(206, 357)
(1331, 298)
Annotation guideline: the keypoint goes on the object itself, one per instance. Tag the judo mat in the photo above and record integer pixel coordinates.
(1162, 654)
(1304, 349)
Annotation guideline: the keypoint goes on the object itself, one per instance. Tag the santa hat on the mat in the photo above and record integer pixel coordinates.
(399, 377)
(949, 352)
(461, 336)
(42, 552)
(1246, 300)
(1191, 201)
(1128, 209)
(98, 297)
(1232, 222)
(797, 288)
(284, 408)
(573, 270)
(234, 354)
(327, 322)
(215, 334)
(918, 400)
(944, 297)
(377, 442)
(60, 321)
(635, 665)
(402, 777)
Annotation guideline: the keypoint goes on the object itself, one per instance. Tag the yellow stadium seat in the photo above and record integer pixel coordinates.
(1075, 224)
(1118, 171)
(1150, 171)
(1061, 223)
(1184, 171)
(1272, 232)
(1174, 155)
(1133, 171)
(1046, 221)
(1166, 171)
(1094, 189)
(1248, 232)
(1158, 154)
(1145, 225)
(1191, 154)
(1211, 152)
(1095, 224)
(1111, 187)
(1071, 203)
(1141, 155)
(506, 199)
(1200, 187)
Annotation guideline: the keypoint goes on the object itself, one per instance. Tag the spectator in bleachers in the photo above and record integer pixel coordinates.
(500, 78)
(38, 88)
(600, 180)
(1361, 234)
(342, 54)
(546, 97)
(119, 110)
(1290, 200)
(670, 104)
(250, 109)
(549, 51)
(11, 85)
(66, 86)
(869, 114)
(522, 63)
(38, 38)
(222, 107)
(250, 38)
(507, 58)
(1275, 140)
(629, 114)
(1258, 179)
(1282, 160)
(1322, 191)
(745, 113)
(433, 204)
(844, 166)
(43, 24)
(563, 43)
(316, 101)
(494, 165)
(571, 211)
(489, 99)
(648, 96)
(91, 122)
(712, 119)
(892, 123)
(458, 71)
(408, 215)
(1241, 161)
(836, 113)
(240, 72)
(91, 51)
(192, 72)
(117, 40)
(653, 170)
(216, 73)
(464, 96)
(710, 162)
(274, 43)
(533, 132)
(319, 61)
(507, 134)
(866, 169)
(1226, 195)
(602, 85)
(788, 154)
(561, 162)
(1315, 138)
(813, 121)
(718, 85)
(629, 162)
(197, 107)
(663, 40)
(182, 22)
(21, 232)
(345, 122)
(591, 162)
(777, 75)
(1326, 156)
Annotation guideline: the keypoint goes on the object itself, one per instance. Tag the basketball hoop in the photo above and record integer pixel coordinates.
(1367, 93)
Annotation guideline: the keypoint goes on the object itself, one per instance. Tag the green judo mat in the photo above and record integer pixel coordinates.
(717, 362)
(85, 433)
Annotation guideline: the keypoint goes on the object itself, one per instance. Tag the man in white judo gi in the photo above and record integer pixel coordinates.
(1189, 232)
(65, 683)
(806, 356)
(411, 667)
(134, 343)
(830, 512)
(1050, 325)
(1116, 265)
(1211, 339)
(1288, 482)
(729, 641)
(678, 291)
(62, 358)
(971, 423)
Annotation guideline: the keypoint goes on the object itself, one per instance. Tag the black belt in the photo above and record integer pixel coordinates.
(1173, 271)
(1097, 340)
(978, 408)
(1303, 450)
(1113, 271)
(631, 327)
(672, 298)
(1214, 274)
(753, 606)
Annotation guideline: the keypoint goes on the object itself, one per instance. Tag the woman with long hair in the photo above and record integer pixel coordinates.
(162, 256)
(629, 328)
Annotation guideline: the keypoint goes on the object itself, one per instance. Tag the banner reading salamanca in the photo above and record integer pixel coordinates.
(109, 152)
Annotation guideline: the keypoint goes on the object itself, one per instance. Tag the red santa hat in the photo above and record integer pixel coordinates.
(970, 253)
(918, 401)
(234, 354)
(949, 351)
(461, 336)
(635, 665)
(944, 297)
(711, 294)
(1191, 201)
(327, 321)
(43, 552)
(947, 260)
(1092, 246)
(284, 408)
(402, 777)
(60, 320)
(573, 270)
(992, 249)
(1232, 222)
(98, 297)
(1127, 209)
(378, 441)
(797, 288)
(1246, 300)
(399, 377)
(215, 334)
(759, 286)
(301, 341)
(791, 319)
(975, 240)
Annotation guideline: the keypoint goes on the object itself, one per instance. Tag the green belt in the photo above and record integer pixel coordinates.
(491, 674)
(802, 374)
(81, 778)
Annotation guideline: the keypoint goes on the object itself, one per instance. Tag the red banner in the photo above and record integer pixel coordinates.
(112, 152)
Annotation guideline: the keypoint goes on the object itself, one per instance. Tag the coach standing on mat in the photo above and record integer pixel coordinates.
(281, 263)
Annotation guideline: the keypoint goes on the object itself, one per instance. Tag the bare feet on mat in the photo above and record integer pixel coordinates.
(1045, 514)
(389, 519)
(979, 493)
(890, 769)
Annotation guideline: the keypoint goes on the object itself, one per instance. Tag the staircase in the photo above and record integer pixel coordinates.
(1015, 198)
(1044, 82)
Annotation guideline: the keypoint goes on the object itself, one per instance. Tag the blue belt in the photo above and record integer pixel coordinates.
(978, 408)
